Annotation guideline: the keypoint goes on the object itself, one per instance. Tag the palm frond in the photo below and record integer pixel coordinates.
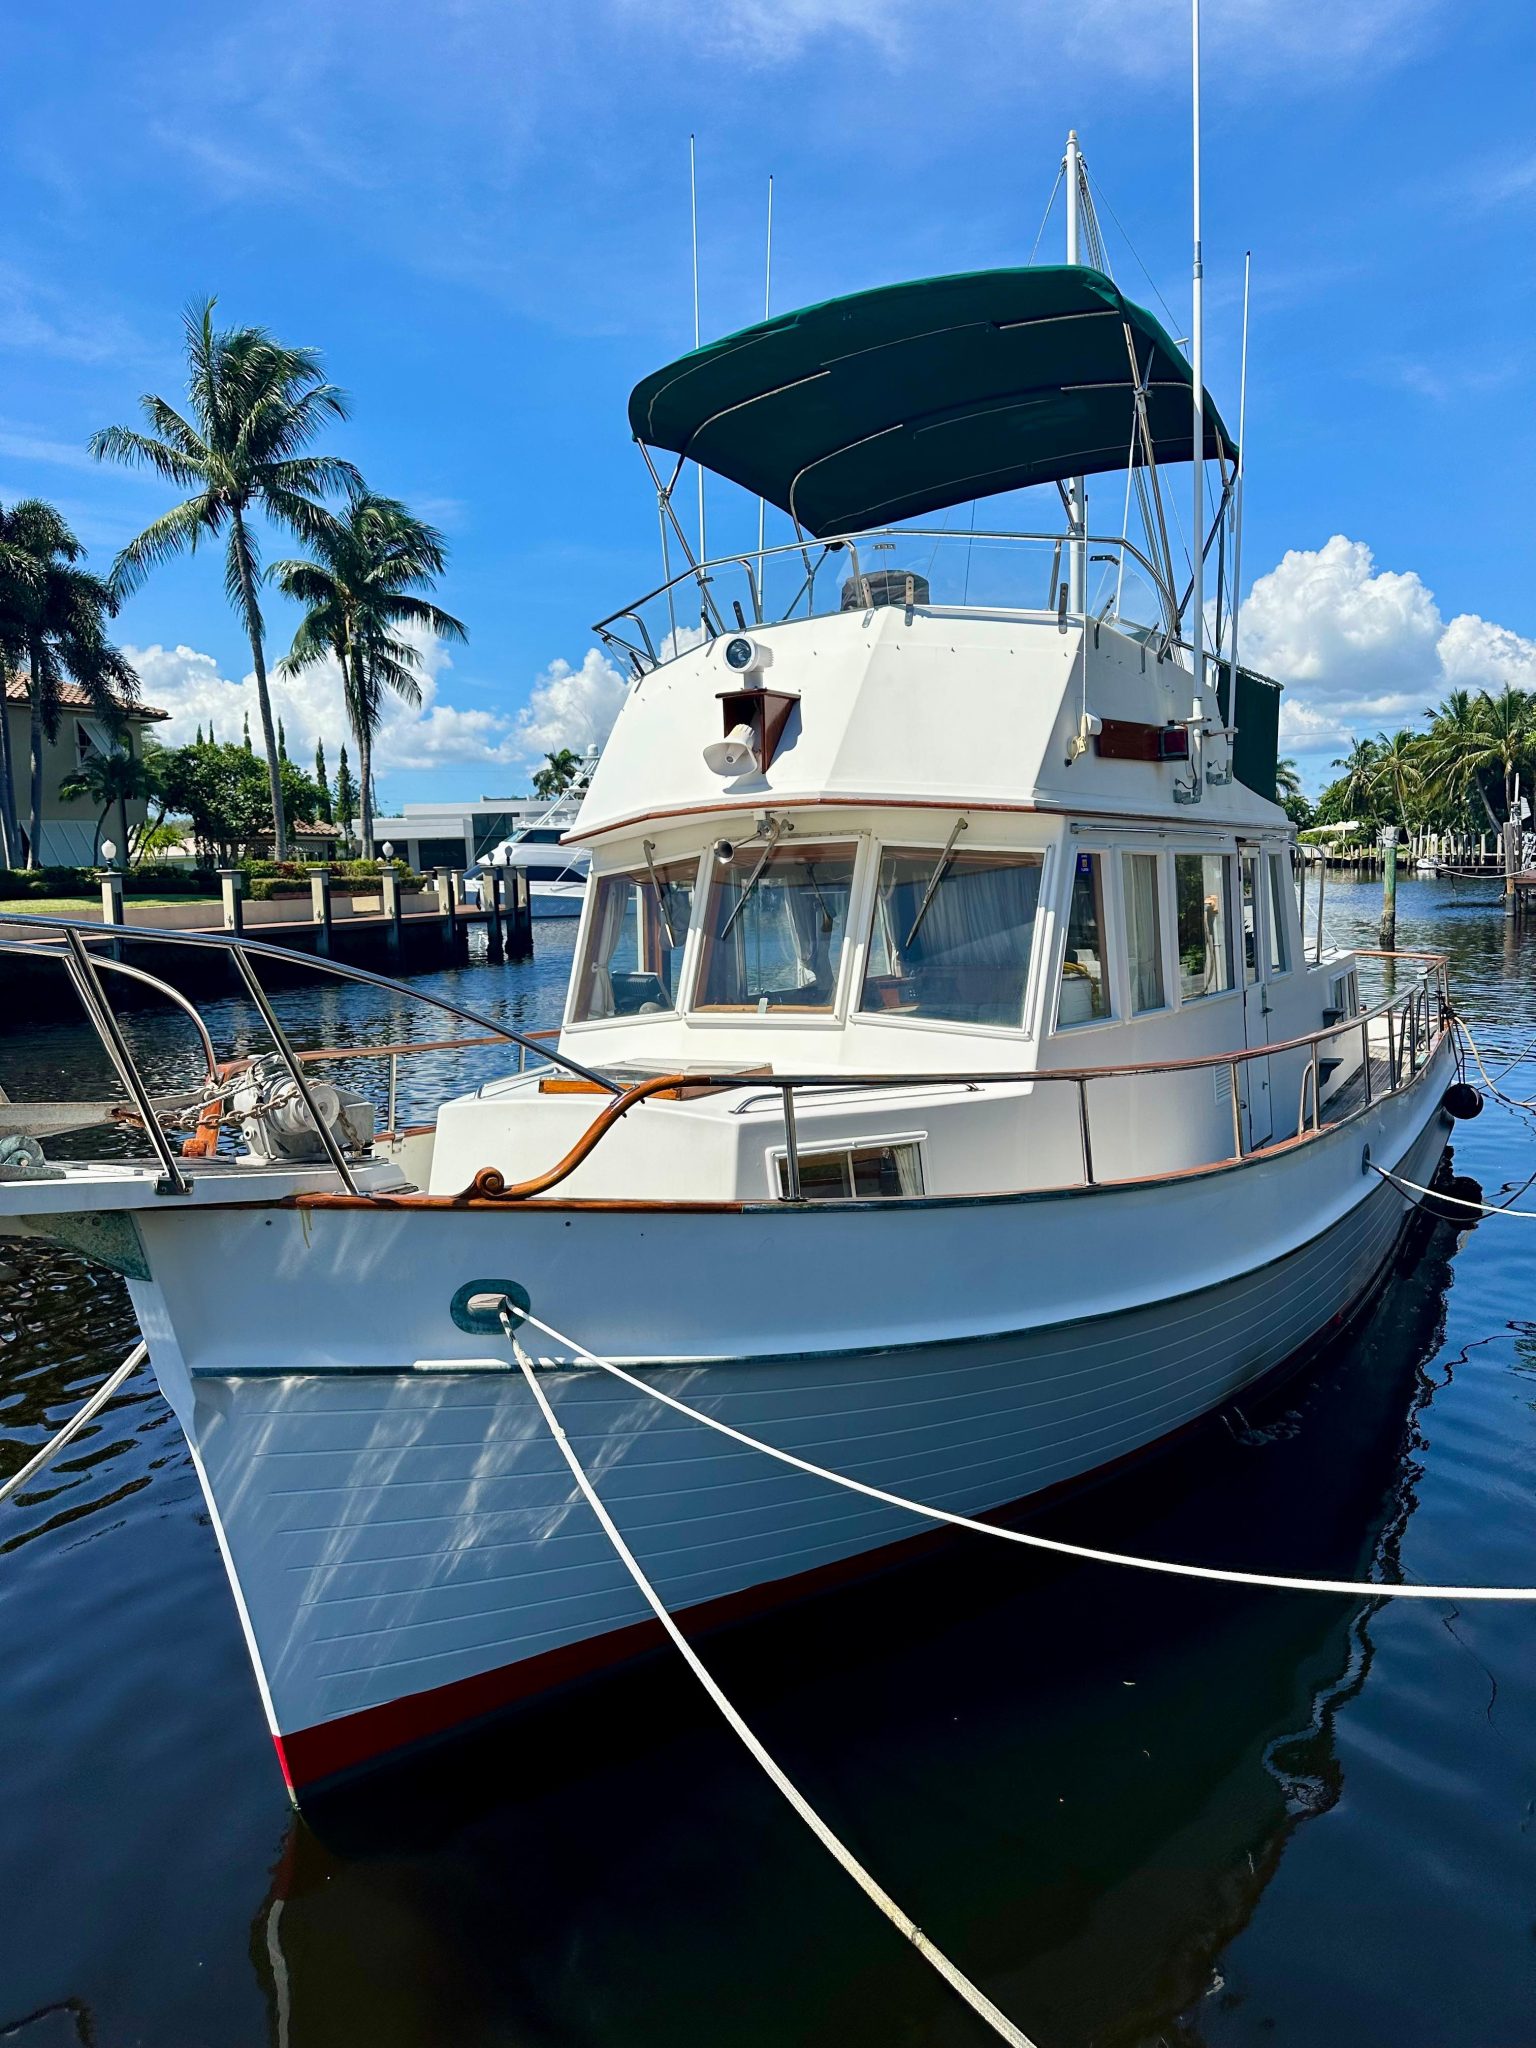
(175, 532)
(143, 451)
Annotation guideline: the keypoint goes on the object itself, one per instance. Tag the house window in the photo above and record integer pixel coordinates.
(1084, 997)
(775, 930)
(1202, 895)
(952, 935)
(1279, 899)
(1139, 880)
(635, 934)
(863, 1173)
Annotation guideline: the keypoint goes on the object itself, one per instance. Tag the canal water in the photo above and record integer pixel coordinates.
(1138, 1812)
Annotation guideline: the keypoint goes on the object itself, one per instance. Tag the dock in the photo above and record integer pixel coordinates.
(388, 929)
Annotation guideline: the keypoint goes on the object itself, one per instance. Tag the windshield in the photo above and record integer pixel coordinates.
(634, 950)
(776, 943)
(966, 955)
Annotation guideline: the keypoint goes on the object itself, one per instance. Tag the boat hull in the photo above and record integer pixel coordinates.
(406, 1545)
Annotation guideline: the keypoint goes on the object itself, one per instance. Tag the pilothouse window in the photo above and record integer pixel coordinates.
(1084, 991)
(775, 929)
(634, 947)
(1203, 893)
(952, 936)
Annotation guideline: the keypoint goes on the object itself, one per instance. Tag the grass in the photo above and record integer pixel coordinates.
(90, 906)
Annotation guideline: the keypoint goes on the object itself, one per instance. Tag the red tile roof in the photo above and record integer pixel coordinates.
(74, 698)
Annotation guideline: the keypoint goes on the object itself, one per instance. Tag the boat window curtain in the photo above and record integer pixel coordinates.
(615, 896)
(1143, 929)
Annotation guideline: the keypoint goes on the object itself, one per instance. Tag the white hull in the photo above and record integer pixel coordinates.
(405, 1543)
(557, 899)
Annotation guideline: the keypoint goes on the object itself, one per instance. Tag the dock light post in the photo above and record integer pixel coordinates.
(112, 893)
(1389, 887)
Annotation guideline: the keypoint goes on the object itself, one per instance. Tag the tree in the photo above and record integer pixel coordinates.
(254, 405)
(1287, 780)
(1475, 742)
(561, 771)
(363, 585)
(245, 738)
(1396, 771)
(1357, 785)
(53, 616)
(323, 783)
(346, 794)
(118, 778)
(224, 793)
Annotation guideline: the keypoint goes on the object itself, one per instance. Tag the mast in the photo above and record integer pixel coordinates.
(693, 203)
(1077, 497)
(762, 503)
(1197, 366)
(1237, 491)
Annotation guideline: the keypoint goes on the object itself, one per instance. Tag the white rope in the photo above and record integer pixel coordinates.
(1363, 1588)
(1437, 1195)
(979, 2003)
(76, 1422)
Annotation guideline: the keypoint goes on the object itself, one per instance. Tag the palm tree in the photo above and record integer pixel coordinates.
(1396, 769)
(54, 620)
(371, 563)
(1287, 779)
(563, 768)
(253, 405)
(1488, 734)
(118, 778)
(1359, 766)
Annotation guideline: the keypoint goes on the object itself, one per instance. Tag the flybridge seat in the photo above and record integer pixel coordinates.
(884, 586)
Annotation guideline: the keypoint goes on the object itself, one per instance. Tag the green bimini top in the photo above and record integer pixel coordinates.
(891, 403)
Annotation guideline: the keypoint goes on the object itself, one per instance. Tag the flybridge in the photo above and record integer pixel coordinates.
(894, 403)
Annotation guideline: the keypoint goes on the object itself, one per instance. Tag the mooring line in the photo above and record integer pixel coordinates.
(955, 1977)
(76, 1422)
(1372, 1589)
(1438, 1195)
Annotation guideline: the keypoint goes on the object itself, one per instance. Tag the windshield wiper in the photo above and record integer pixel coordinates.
(775, 827)
(933, 882)
(648, 847)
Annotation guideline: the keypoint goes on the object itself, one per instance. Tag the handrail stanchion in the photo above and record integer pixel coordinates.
(1391, 1054)
(791, 1147)
(93, 998)
(1237, 1113)
(1365, 1061)
(1322, 885)
(1083, 1132)
(394, 1082)
(279, 1037)
(1317, 1093)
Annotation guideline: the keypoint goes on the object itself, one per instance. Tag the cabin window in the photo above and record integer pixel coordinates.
(635, 934)
(776, 929)
(1248, 866)
(856, 1173)
(952, 935)
(1084, 994)
(1143, 930)
(1202, 894)
(1279, 898)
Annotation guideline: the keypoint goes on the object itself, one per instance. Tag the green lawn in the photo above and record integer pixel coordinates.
(90, 906)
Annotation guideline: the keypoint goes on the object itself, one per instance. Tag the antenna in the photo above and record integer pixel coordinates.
(1197, 365)
(1237, 488)
(1077, 496)
(693, 203)
(762, 503)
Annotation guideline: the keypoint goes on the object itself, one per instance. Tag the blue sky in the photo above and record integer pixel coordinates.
(480, 213)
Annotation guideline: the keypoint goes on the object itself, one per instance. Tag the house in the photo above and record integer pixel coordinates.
(67, 828)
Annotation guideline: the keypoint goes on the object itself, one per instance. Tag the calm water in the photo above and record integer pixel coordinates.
(1137, 1812)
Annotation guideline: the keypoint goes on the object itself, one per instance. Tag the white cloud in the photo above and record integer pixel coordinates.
(568, 707)
(1361, 649)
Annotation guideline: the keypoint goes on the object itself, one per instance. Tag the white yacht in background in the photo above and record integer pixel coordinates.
(557, 872)
(947, 1089)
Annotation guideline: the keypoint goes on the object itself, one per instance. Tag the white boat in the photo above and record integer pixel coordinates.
(557, 872)
(948, 1091)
